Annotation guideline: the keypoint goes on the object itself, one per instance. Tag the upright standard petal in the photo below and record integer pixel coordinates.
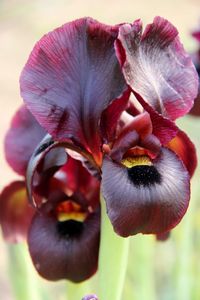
(71, 76)
(142, 196)
(156, 66)
(21, 139)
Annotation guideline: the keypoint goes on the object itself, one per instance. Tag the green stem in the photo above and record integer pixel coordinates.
(22, 274)
(76, 291)
(113, 260)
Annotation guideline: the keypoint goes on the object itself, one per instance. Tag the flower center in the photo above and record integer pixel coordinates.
(70, 218)
(70, 210)
(133, 161)
(141, 170)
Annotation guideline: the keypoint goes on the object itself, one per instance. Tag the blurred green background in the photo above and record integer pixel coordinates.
(156, 270)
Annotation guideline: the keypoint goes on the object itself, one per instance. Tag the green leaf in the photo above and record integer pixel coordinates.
(113, 259)
(24, 282)
(76, 291)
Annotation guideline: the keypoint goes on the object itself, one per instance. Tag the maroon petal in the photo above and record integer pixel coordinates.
(47, 158)
(47, 155)
(111, 115)
(71, 76)
(15, 212)
(140, 127)
(21, 139)
(164, 129)
(122, 145)
(64, 253)
(156, 66)
(79, 179)
(185, 149)
(146, 199)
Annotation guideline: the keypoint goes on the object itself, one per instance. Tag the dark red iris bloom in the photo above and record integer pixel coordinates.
(63, 232)
(109, 95)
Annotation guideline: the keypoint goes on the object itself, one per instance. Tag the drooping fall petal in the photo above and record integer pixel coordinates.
(64, 250)
(15, 212)
(70, 78)
(156, 66)
(146, 199)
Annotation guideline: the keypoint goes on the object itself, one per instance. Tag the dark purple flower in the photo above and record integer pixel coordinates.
(63, 233)
(77, 83)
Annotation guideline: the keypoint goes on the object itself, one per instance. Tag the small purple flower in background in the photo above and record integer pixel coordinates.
(90, 297)
(106, 98)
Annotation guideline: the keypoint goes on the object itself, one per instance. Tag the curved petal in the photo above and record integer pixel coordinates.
(70, 253)
(164, 129)
(156, 66)
(15, 212)
(123, 144)
(71, 76)
(140, 123)
(111, 115)
(21, 139)
(79, 179)
(46, 159)
(147, 200)
(185, 149)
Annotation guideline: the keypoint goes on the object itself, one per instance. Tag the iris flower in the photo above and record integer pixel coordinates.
(63, 232)
(107, 97)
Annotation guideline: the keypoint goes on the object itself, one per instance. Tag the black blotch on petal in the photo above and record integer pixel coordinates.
(70, 228)
(144, 175)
